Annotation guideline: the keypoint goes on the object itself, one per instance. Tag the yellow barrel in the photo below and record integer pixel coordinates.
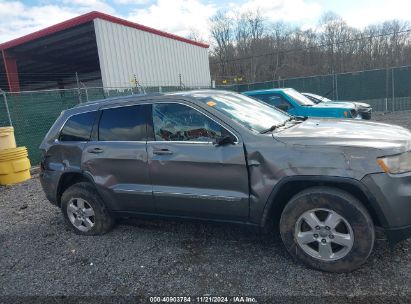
(7, 140)
(14, 166)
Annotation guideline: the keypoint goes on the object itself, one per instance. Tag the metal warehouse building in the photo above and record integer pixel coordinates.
(104, 51)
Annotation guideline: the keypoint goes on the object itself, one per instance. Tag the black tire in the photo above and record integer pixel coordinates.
(366, 116)
(343, 204)
(103, 221)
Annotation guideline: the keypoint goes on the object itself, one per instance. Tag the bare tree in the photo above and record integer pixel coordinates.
(222, 33)
(248, 45)
(195, 35)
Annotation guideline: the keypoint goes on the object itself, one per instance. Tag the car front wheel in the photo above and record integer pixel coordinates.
(327, 229)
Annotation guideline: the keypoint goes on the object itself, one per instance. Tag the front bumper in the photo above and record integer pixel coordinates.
(365, 113)
(392, 203)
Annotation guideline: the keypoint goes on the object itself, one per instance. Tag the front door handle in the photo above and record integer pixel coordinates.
(162, 152)
(95, 150)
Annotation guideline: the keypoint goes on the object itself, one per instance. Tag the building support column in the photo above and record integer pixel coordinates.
(10, 63)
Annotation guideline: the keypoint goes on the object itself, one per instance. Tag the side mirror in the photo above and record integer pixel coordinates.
(224, 140)
(283, 107)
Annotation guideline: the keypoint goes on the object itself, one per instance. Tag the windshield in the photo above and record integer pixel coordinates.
(251, 113)
(320, 98)
(299, 98)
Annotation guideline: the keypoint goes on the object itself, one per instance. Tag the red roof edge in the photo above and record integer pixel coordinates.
(87, 18)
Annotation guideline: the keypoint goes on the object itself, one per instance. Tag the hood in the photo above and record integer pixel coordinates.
(332, 104)
(347, 132)
(361, 105)
(358, 104)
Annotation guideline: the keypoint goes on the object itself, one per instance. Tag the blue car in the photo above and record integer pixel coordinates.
(364, 109)
(295, 103)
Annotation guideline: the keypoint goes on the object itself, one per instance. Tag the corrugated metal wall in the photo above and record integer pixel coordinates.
(155, 60)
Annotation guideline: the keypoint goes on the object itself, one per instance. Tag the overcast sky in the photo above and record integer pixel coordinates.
(180, 16)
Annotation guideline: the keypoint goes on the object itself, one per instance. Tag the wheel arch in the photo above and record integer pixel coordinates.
(68, 179)
(290, 186)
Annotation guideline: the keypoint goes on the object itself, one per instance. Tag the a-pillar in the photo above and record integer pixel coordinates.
(10, 63)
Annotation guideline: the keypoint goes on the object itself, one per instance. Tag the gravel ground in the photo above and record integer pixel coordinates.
(40, 256)
(398, 118)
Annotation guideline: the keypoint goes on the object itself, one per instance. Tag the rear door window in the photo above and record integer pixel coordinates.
(78, 127)
(123, 124)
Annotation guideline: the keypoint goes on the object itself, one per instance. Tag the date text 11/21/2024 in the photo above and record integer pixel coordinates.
(203, 299)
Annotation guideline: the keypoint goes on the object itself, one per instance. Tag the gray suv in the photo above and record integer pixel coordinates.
(222, 156)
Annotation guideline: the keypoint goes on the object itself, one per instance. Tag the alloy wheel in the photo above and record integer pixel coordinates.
(324, 234)
(81, 214)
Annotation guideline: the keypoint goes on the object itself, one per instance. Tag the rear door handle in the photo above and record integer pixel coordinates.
(162, 152)
(95, 150)
(253, 163)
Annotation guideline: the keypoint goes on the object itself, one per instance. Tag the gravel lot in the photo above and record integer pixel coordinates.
(398, 118)
(39, 256)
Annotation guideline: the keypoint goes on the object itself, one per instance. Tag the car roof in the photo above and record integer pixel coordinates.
(115, 99)
(192, 94)
(268, 90)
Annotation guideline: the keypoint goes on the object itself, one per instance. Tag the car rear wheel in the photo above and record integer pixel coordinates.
(327, 229)
(84, 211)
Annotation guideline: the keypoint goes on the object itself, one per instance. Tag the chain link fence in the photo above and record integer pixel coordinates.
(384, 89)
(32, 113)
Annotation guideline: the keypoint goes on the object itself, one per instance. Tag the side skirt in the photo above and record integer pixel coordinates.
(143, 215)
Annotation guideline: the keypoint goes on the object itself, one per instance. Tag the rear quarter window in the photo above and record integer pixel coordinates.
(78, 127)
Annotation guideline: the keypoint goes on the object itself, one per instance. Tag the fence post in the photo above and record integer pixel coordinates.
(7, 106)
(78, 88)
(393, 89)
(85, 90)
(336, 87)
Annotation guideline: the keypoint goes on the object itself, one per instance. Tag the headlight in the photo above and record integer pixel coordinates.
(396, 163)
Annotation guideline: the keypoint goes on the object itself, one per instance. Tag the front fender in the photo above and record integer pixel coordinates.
(273, 203)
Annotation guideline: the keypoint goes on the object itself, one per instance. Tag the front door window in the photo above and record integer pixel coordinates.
(177, 122)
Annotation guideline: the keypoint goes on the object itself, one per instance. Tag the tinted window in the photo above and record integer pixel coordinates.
(312, 98)
(277, 101)
(298, 97)
(316, 98)
(78, 127)
(123, 124)
(176, 122)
